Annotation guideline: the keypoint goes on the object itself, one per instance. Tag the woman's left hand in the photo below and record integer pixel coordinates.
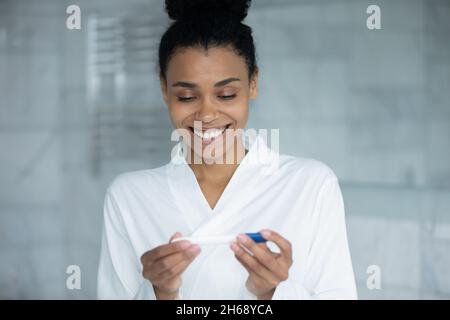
(266, 268)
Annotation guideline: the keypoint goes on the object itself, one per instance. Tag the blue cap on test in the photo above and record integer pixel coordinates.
(257, 237)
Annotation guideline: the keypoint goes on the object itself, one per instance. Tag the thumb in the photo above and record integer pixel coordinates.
(175, 235)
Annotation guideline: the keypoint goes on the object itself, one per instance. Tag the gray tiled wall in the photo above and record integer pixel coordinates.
(373, 105)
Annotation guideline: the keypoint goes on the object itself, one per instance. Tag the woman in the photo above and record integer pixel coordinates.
(216, 184)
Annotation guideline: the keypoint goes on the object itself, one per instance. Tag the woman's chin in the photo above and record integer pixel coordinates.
(214, 155)
(211, 156)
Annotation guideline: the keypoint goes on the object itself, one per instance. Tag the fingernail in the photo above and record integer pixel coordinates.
(242, 238)
(266, 233)
(184, 244)
(235, 247)
(194, 249)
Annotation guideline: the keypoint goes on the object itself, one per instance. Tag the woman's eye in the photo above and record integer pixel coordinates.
(229, 97)
(185, 99)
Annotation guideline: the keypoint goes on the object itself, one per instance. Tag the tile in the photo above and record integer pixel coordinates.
(379, 61)
(436, 16)
(438, 81)
(385, 202)
(437, 150)
(20, 228)
(86, 257)
(402, 267)
(33, 162)
(388, 168)
(367, 244)
(30, 97)
(391, 245)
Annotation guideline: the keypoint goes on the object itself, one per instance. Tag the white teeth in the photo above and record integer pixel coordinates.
(209, 134)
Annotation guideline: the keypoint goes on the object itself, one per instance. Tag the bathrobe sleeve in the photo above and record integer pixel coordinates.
(329, 271)
(119, 272)
(120, 269)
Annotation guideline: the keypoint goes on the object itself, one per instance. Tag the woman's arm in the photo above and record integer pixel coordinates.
(119, 272)
(329, 271)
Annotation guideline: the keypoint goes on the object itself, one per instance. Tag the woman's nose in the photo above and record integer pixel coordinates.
(207, 112)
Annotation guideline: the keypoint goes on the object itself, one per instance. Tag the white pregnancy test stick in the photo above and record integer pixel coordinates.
(225, 239)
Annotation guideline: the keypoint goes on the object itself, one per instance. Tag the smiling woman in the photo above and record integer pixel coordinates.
(217, 98)
(208, 74)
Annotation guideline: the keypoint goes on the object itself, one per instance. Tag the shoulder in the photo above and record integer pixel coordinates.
(306, 168)
(318, 184)
(138, 181)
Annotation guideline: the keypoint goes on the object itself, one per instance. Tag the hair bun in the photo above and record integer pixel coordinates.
(200, 9)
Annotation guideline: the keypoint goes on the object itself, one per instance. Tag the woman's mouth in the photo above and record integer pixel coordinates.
(209, 135)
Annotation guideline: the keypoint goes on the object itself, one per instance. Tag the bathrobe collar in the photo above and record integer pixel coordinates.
(258, 162)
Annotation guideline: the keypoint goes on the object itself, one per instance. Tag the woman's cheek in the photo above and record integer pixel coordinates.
(240, 111)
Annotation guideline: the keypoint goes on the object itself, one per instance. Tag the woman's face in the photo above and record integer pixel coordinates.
(208, 92)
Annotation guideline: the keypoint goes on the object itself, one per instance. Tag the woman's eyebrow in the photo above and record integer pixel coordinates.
(184, 84)
(226, 81)
(191, 85)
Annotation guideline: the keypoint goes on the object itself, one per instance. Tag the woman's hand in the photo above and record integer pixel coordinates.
(266, 268)
(164, 265)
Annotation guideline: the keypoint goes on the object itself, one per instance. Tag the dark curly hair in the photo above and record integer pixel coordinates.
(204, 24)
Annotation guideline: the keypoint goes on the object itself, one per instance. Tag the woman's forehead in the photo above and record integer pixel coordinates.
(198, 64)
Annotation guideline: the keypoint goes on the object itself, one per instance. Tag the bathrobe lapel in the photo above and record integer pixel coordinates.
(228, 216)
(241, 189)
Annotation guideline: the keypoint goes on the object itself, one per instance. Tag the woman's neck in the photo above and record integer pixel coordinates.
(219, 172)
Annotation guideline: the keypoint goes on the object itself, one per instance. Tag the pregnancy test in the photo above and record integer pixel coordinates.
(225, 239)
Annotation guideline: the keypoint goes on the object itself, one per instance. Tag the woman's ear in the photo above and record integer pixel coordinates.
(164, 92)
(254, 85)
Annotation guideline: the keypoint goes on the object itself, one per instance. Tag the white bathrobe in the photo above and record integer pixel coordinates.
(297, 197)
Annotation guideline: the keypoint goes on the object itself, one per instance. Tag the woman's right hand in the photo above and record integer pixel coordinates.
(164, 265)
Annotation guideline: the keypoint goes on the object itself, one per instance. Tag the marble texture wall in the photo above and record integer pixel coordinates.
(373, 105)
